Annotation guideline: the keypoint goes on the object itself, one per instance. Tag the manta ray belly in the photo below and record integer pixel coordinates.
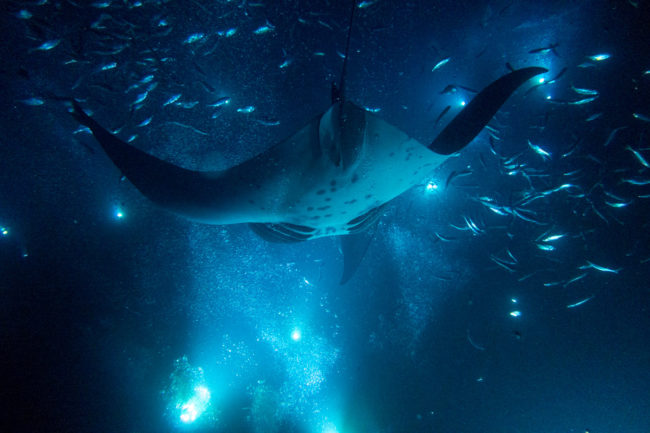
(389, 162)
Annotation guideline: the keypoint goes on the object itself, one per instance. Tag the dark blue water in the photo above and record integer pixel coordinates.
(464, 315)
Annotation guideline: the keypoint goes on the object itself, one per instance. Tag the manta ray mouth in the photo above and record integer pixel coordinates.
(282, 232)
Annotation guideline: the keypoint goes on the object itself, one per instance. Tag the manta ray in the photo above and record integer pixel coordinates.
(332, 177)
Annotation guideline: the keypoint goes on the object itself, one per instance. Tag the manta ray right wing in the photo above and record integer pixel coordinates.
(457, 134)
(472, 119)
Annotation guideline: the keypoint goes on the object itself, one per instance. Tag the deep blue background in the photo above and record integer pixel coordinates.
(96, 309)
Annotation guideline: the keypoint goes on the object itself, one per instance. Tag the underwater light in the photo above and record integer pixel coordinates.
(196, 405)
(515, 313)
(187, 398)
(541, 80)
(189, 412)
(462, 103)
(118, 213)
(4, 231)
(431, 186)
(329, 427)
(296, 335)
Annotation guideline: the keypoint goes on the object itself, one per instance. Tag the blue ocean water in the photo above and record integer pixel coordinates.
(508, 292)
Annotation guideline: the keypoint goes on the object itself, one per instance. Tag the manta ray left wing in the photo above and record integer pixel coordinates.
(169, 186)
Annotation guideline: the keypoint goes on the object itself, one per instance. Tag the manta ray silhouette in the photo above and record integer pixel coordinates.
(331, 178)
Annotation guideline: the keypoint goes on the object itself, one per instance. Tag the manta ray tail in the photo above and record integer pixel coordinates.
(354, 247)
(473, 118)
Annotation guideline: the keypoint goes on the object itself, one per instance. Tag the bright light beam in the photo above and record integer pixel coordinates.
(195, 406)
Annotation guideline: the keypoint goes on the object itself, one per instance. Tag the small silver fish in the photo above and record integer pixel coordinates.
(638, 156)
(599, 57)
(145, 122)
(544, 50)
(187, 105)
(538, 150)
(577, 304)
(324, 24)
(440, 64)
(612, 134)
(33, 102)
(583, 101)
(576, 278)
(264, 29)
(599, 268)
(230, 32)
(195, 37)
(267, 121)
(366, 4)
(442, 113)
(545, 247)
(581, 91)
(172, 99)
(108, 66)
(637, 182)
(140, 98)
(221, 102)
(285, 64)
(616, 205)
(642, 117)
(552, 238)
(48, 45)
